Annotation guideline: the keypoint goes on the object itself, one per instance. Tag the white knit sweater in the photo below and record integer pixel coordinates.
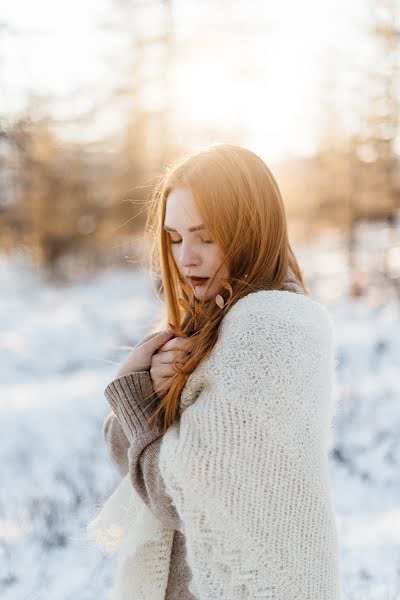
(246, 466)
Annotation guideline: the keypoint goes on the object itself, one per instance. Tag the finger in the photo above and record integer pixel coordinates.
(164, 357)
(158, 340)
(175, 343)
(161, 371)
(159, 361)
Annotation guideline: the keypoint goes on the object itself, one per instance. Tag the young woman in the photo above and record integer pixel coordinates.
(220, 425)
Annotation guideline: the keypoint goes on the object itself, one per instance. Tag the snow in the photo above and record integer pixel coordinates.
(58, 351)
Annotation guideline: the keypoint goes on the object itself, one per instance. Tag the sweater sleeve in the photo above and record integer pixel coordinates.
(117, 443)
(134, 445)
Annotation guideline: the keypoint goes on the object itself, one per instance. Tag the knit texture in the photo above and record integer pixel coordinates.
(263, 398)
(128, 397)
(139, 456)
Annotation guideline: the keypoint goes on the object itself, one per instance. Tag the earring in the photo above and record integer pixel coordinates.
(219, 299)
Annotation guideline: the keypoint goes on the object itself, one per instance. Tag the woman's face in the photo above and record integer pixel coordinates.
(193, 249)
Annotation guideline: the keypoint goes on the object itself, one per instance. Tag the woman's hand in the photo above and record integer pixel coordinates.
(140, 357)
(161, 368)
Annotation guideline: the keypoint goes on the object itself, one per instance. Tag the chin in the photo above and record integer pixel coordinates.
(200, 294)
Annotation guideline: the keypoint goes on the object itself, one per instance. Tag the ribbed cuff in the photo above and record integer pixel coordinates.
(130, 396)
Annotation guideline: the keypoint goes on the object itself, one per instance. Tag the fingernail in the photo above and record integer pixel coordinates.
(168, 331)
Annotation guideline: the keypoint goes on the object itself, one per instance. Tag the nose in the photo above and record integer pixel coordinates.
(188, 257)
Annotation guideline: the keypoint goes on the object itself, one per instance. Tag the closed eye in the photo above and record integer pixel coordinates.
(203, 241)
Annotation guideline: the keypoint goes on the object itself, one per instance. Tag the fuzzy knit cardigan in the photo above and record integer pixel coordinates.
(250, 516)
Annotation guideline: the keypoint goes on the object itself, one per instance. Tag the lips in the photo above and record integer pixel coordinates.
(198, 280)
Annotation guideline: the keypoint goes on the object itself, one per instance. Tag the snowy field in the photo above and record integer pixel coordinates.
(58, 353)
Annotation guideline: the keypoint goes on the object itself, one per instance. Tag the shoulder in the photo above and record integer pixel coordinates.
(286, 327)
(273, 309)
(274, 340)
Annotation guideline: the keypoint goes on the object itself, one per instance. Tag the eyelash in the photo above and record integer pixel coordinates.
(204, 241)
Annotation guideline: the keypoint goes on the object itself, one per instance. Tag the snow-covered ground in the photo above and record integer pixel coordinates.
(58, 353)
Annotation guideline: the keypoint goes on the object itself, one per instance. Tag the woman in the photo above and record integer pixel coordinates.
(220, 425)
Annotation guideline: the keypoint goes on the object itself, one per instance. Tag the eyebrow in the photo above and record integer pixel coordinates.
(195, 228)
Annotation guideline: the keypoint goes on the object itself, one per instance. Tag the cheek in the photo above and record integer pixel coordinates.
(216, 258)
(174, 252)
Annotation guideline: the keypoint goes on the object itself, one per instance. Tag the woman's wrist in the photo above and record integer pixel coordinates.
(128, 371)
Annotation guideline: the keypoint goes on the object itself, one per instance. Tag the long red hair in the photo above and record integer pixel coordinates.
(239, 201)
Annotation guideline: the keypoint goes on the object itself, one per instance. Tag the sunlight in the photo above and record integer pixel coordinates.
(206, 94)
(211, 92)
(261, 86)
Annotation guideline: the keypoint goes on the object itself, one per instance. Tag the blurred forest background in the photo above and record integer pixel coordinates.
(96, 97)
(77, 160)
